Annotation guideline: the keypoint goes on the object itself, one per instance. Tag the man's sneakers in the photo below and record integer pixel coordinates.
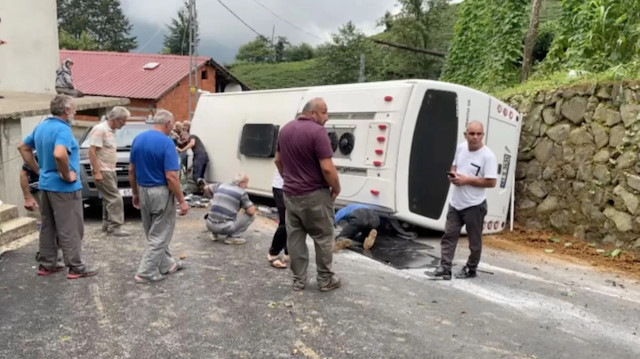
(342, 243)
(370, 240)
(445, 274)
(118, 233)
(201, 183)
(466, 272)
(440, 272)
(334, 283)
(88, 271)
(45, 271)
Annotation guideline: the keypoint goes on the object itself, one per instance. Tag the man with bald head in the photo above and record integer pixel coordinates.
(153, 174)
(474, 170)
(311, 184)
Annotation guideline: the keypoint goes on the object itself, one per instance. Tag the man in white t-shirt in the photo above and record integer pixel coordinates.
(103, 155)
(474, 170)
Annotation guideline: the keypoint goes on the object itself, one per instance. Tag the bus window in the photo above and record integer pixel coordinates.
(432, 151)
(259, 140)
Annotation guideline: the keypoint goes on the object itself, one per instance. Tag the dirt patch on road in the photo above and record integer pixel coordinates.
(542, 243)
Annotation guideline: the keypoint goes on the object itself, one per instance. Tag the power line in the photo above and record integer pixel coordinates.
(242, 21)
(287, 21)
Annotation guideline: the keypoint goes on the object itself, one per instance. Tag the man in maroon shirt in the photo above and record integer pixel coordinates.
(311, 185)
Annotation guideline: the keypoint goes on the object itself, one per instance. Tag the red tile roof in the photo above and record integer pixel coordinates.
(121, 74)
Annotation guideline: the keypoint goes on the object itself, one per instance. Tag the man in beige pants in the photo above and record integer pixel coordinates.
(103, 155)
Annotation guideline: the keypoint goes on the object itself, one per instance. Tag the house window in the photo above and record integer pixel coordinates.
(204, 75)
(259, 140)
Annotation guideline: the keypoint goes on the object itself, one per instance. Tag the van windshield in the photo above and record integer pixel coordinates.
(124, 136)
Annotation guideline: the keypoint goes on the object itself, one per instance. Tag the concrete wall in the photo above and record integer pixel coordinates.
(29, 59)
(10, 162)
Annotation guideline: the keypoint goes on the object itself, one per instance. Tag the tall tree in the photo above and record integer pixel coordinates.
(177, 40)
(102, 20)
(257, 51)
(426, 24)
(339, 61)
(300, 52)
(529, 40)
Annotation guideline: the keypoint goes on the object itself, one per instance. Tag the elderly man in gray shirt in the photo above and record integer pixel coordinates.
(224, 217)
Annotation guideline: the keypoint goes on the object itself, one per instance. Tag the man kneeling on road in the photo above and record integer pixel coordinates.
(224, 217)
(474, 170)
(359, 224)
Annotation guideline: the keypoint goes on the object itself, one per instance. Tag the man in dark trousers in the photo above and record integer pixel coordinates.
(311, 184)
(359, 223)
(60, 189)
(474, 170)
(200, 157)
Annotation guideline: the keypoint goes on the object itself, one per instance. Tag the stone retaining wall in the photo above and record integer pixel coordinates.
(578, 169)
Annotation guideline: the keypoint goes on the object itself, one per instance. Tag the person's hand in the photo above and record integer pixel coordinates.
(30, 204)
(459, 180)
(184, 208)
(136, 201)
(97, 176)
(334, 193)
(71, 177)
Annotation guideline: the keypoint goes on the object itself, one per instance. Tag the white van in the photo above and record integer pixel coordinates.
(393, 142)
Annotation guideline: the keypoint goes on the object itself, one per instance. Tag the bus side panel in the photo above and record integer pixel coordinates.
(219, 120)
(503, 131)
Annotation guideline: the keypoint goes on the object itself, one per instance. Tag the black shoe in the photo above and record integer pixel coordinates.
(201, 183)
(466, 272)
(440, 272)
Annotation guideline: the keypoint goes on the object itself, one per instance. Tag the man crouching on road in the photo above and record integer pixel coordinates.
(153, 173)
(311, 184)
(224, 217)
(474, 170)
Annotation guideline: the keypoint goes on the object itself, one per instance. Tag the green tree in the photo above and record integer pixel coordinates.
(177, 40)
(68, 42)
(595, 35)
(487, 47)
(279, 49)
(256, 51)
(339, 60)
(300, 52)
(102, 20)
(423, 24)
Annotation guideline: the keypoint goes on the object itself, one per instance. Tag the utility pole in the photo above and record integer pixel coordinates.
(528, 41)
(361, 75)
(193, 58)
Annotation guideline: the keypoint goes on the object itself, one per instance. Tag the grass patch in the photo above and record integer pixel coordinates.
(536, 83)
(279, 75)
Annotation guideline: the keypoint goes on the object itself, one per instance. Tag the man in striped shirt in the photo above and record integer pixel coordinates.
(224, 217)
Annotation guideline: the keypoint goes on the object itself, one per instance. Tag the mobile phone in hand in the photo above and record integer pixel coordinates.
(451, 174)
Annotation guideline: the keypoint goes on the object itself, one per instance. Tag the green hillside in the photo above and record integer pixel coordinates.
(278, 75)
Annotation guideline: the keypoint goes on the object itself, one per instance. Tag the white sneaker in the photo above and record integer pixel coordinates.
(235, 240)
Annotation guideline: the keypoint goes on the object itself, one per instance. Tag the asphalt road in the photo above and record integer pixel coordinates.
(229, 303)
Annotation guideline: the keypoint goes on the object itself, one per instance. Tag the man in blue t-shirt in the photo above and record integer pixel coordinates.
(60, 189)
(359, 224)
(153, 173)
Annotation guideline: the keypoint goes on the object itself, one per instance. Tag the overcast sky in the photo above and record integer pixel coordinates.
(221, 34)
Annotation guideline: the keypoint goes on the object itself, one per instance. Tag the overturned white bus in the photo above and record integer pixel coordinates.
(393, 142)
